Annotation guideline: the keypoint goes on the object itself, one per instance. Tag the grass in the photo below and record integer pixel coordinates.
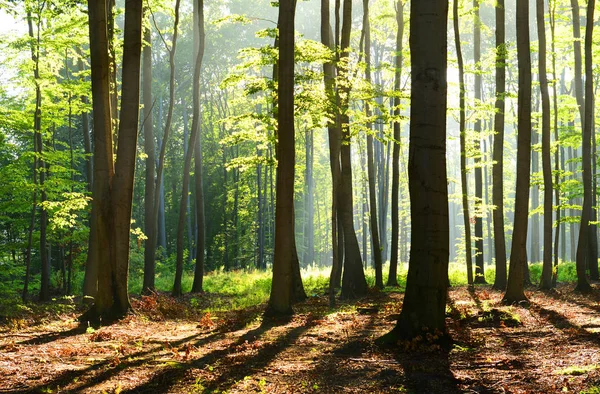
(576, 370)
(245, 288)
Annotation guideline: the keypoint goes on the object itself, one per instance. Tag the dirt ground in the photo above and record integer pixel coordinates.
(549, 346)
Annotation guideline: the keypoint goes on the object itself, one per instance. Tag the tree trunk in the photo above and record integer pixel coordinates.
(150, 150)
(546, 280)
(376, 252)
(334, 152)
(393, 274)
(113, 182)
(426, 286)
(518, 256)
(478, 214)
(199, 36)
(354, 283)
(557, 164)
(463, 152)
(280, 301)
(177, 290)
(583, 244)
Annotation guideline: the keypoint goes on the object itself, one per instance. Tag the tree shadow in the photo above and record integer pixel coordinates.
(133, 360)
(50, 337)
(594, 296)
(164, 380)
(563, 323)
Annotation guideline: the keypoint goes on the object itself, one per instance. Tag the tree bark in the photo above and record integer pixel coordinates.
(546, 280)
(334, 149)
(150, 150)
(393, 274)
(426, 287)
(113, 182)
(376, 252)
(200, 36)
(177, 289)
(281, 299)
(354, 283)
(478, 214)
(518, 256)
(583, 244)
(463, 152)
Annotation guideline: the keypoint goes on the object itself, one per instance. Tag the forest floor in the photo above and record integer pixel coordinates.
(549, 346)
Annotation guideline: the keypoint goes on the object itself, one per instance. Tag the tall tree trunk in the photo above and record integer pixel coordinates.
(546, 280)
(463, 151)
(309, 254)
(557, 165)
(479, 258)
(354, 283)
(177, 290)
(150, 150)
(282, 294)
(334, 148)
(518, 256)
(38, 146)
(113, 182)
(371, 167)
(583, 244)
(200, 37)
(426, 286)
(393, 274)
(28, 252)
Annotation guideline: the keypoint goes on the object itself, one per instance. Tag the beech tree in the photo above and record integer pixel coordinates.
(518, 254)
(546, 281)
(584, 244)
(426, 285)
(113, 180)
(281, 299)
(498, 150)
(463, 150)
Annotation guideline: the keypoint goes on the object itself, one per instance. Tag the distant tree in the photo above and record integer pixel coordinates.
(426, 285)
(518, 255)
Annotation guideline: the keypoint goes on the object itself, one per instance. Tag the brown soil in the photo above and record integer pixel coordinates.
(550, 346)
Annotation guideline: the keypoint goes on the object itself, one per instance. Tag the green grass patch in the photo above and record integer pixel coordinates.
(576, 370)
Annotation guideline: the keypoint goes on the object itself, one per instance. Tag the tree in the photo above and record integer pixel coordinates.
(200, 37)
(426, 285)
(546, 281)
(392, 278)
(479, 261)
(149, 211)
(498, 154)
(463, 149)
(281, 299)
(376, 252)
(334, 153)
(583, 243)
(518, 254)
(354, 283)
(113, 181)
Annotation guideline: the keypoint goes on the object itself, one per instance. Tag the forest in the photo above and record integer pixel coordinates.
(242, 196)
